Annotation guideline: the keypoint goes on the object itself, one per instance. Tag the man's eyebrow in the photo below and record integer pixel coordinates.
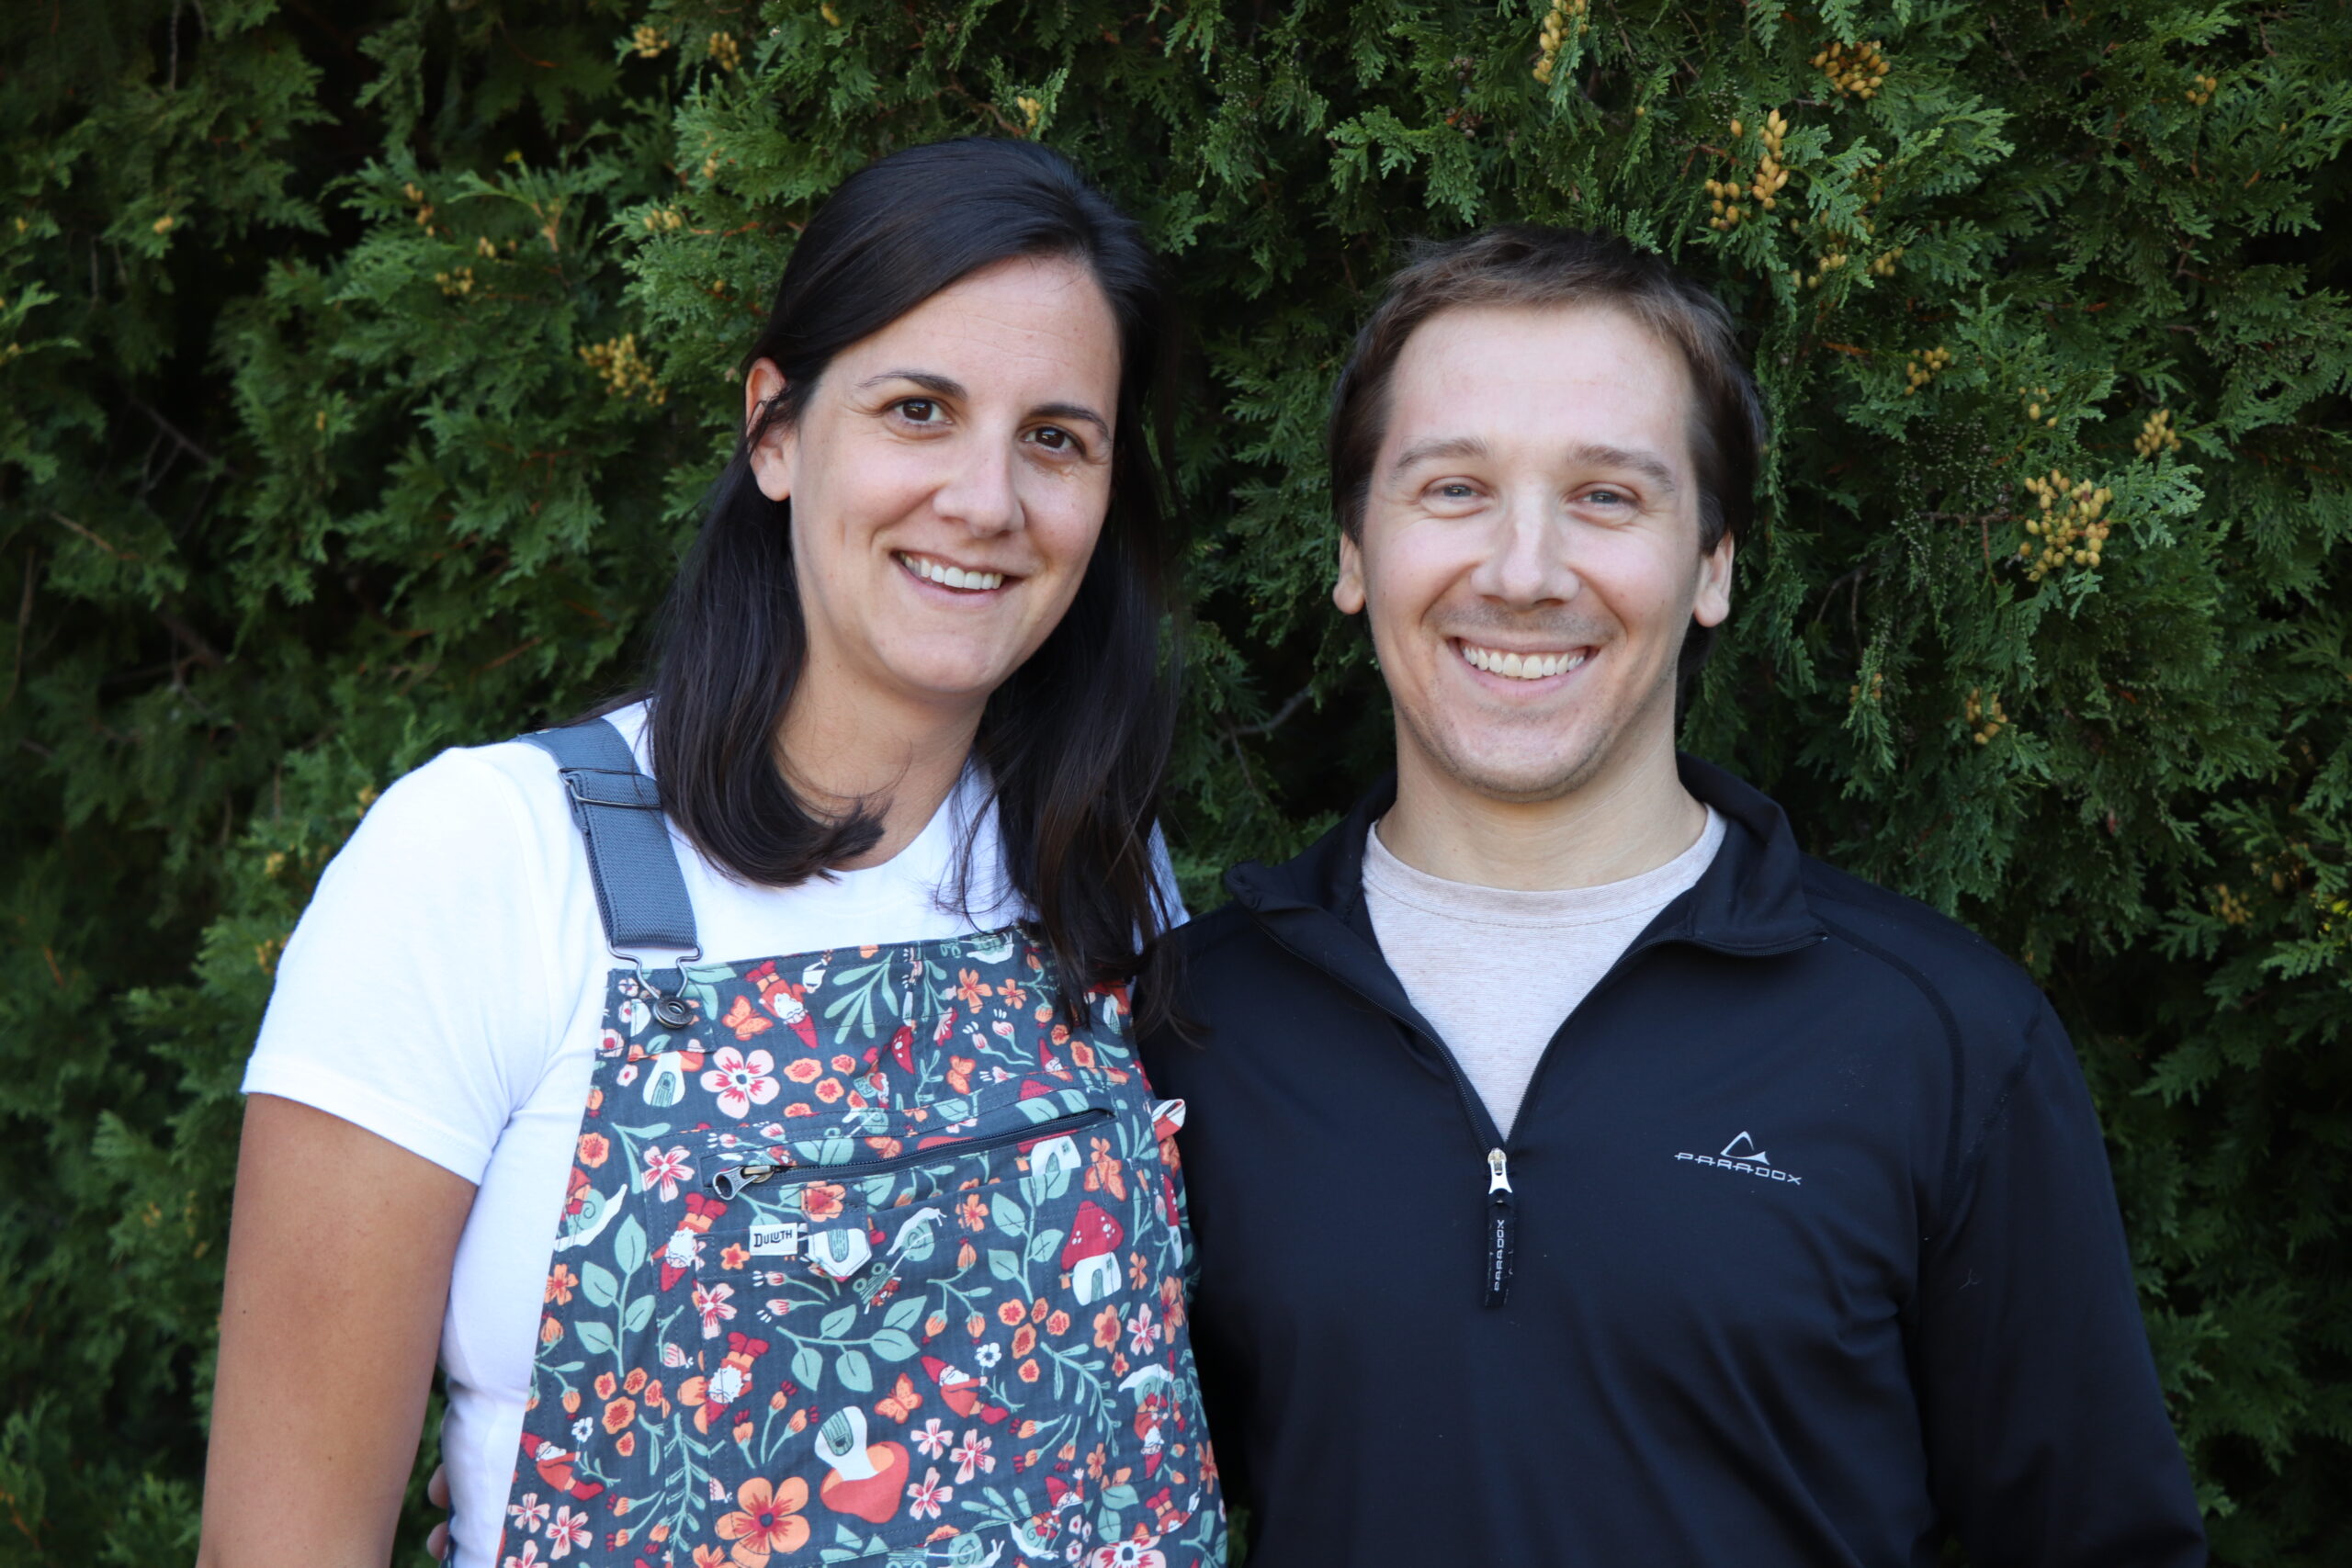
(948, 387)
(1647, 464)
(1437, 448)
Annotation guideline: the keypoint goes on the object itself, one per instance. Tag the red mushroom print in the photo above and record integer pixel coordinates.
(866, 1479)
(1092, 1253)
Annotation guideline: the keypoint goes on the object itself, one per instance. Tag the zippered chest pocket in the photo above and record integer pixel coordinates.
(861, 1213)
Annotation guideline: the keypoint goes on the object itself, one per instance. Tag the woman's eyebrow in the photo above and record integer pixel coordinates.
(1079, 412)
(929, 380)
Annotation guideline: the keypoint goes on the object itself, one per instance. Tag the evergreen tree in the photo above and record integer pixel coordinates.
(364, 365)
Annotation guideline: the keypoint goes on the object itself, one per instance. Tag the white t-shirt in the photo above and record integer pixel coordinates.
(1495, 970)
(444, 990)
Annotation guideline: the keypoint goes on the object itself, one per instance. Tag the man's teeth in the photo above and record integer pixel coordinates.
(1522, 666)
(950, 576)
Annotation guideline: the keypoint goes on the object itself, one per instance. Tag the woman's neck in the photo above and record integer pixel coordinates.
(840, 748)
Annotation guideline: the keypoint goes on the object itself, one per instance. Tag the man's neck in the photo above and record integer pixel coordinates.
(1634, 815)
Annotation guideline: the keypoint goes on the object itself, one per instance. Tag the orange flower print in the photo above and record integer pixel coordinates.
(593, 1149)
(635, 1381)
(1058, 1324)
(550, 1329)
(1025, 1339)
(625, 1444)
(959, 1074)
(1102, 1170)
(804, 1069)
(1138, 1272)
(560, 1284)
(972, 1212)
(830, 1090)
(1011, 1313)
(1106, 1328)
(733, 1256)
(1029, 1371)
(844, 1063)
(606, 1385)
(1013, 995)
(619, 1414)
(709, 1557)
(1082, 1055)
(822, 1200)
(767, 1520)
(969, 990)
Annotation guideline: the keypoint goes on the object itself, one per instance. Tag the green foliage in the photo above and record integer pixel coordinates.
(363, 366)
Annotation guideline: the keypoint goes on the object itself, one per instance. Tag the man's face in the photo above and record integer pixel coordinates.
(1530, 555)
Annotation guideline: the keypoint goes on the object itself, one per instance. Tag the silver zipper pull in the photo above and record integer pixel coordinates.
(727, 1183)
(1498, 1173)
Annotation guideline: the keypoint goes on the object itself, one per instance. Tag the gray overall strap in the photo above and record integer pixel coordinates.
(640, 893)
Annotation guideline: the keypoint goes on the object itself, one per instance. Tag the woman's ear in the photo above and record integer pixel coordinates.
(771, 458)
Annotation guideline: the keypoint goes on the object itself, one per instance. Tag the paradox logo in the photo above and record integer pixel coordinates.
(1742, 1155)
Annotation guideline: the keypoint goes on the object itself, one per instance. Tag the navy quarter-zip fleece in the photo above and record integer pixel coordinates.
(1803, 1252)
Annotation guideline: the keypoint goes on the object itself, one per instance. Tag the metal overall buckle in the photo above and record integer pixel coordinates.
(670, 1009)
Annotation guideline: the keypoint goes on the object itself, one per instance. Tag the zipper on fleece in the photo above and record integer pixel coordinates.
(1497, 1221)
(729, 1182)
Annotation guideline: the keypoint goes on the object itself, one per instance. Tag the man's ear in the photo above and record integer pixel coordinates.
(1348, 591)
(1712, 605)
(772, 460)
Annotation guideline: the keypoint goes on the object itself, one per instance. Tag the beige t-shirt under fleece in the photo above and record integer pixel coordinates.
(1496, 970)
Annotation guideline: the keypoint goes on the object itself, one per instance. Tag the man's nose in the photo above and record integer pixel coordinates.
(1528, 560)
(979, 494)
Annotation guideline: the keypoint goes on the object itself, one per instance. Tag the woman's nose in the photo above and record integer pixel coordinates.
(980, 494)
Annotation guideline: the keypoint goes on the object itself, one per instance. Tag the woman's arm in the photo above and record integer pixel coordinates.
(339, 1255)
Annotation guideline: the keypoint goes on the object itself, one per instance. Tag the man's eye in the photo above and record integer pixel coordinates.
(1606, 497)
(1455, 491)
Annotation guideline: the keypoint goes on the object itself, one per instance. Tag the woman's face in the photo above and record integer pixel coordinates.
(949, 476)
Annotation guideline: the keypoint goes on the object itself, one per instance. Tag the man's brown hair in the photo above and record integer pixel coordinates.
(1527, 265)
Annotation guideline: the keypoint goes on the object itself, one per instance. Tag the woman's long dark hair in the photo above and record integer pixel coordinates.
(1075, 742)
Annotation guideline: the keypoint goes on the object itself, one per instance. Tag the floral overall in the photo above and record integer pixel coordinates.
(872, 1255)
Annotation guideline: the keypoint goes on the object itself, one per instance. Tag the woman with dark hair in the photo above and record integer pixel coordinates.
(737, 1087)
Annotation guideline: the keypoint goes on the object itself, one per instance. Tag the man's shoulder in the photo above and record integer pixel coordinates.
(1971, 983)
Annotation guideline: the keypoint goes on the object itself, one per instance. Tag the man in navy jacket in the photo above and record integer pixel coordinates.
(1579, 1173)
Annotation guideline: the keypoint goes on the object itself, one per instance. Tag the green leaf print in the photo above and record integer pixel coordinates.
(628, 1245)
(1042, 1245)
(594, 1337)
(837, 1321)
(640, 1313)
(894, 1345)
(856, 1372)
(1006, 1214)
(808, 1367)
(904, 1314)
(1004, 1263)
(596, 1282)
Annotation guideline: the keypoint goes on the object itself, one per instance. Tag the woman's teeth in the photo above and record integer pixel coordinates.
(1522, 666)
(950, 576)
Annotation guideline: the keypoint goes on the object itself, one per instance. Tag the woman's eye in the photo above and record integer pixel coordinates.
(918, 411)
(1455, 491)
(1054, 439)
